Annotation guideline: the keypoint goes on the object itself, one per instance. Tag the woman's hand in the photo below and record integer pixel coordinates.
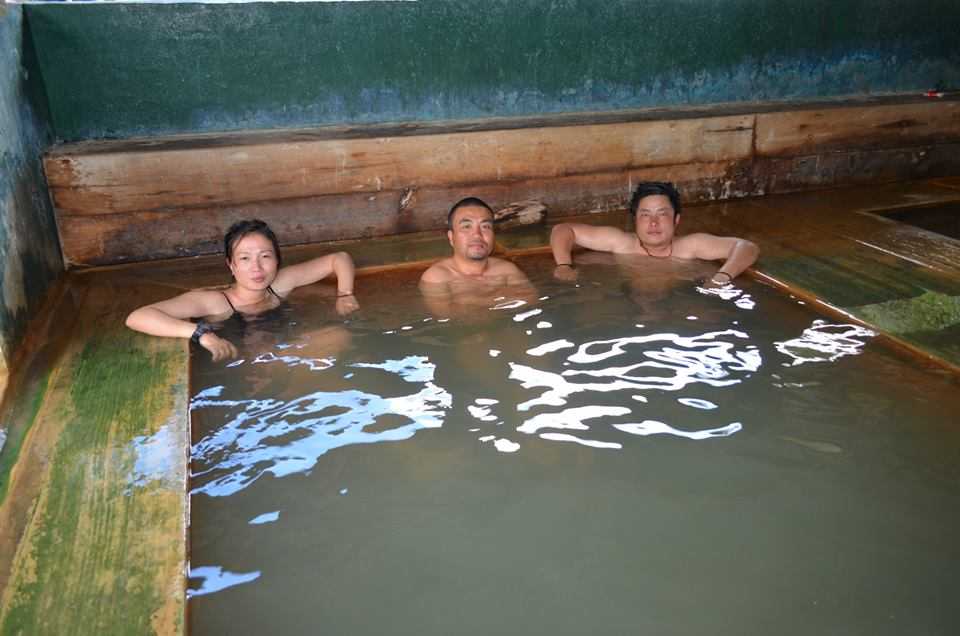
(220, 348)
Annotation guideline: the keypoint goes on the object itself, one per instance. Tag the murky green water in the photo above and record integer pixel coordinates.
(626, 456)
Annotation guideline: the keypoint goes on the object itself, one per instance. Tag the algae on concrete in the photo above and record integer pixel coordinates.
(22, 416)
(931, 311)
(103, 551)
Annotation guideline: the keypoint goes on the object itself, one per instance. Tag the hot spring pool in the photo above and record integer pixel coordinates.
(628, 455)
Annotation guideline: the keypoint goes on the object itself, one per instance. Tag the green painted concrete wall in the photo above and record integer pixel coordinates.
(29, 248)
(118, 70)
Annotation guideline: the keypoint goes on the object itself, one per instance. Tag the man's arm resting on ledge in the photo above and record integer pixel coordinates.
(737, 254)
(566, 236)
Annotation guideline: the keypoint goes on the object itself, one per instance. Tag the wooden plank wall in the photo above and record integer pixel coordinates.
(145, 199)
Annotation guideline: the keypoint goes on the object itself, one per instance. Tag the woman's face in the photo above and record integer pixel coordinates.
(253, 262)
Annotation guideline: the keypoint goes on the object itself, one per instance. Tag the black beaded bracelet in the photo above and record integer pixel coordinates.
(202, 327)
(729, 277)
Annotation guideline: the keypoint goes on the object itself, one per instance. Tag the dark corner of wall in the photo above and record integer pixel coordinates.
(35, 88)
(30, 257)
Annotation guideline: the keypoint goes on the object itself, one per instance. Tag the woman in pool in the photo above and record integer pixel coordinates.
(253, 256)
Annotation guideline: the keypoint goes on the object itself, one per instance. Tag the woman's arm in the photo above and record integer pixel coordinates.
(169, 319)
(340, 264)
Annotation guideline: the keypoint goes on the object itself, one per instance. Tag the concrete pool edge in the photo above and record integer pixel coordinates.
(150, 378)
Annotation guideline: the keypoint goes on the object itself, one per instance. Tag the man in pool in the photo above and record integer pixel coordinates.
(471, 274)
(655, 207)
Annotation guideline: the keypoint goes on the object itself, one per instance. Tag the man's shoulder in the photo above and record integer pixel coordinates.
(702, 245)
(693, 238)
(498, 266)
(439, 272)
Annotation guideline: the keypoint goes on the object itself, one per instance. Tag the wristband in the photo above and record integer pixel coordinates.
(564, 264)
(344, 294)
(202, 327)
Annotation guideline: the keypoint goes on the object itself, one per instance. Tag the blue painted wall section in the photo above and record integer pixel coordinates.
(119, 70)
(29, 249)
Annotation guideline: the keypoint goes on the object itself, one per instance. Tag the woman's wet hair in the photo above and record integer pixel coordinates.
(649, 188)
(241, 229)
(469, 202)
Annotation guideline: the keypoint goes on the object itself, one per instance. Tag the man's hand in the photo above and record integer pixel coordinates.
(718, 280)
(565, 272)
(347, 304)
(220, 348)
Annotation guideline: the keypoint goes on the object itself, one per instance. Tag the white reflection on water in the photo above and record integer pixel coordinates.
(314, 364)
(824, 342)
(566, 437)
(697, 403)
(214, 578)
(411, 368)
(280, 437)
(682, 361)
(653, 427)
(570, 418)
(527, 314)
(508, 304)
(283, 437)
(267, 517)
(662, 361)
(550, 347)
(730, 292)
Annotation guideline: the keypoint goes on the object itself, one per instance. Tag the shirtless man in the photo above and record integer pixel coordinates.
(471, 276)
(655, 207)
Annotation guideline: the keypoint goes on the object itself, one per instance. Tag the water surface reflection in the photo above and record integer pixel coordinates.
(437, 468)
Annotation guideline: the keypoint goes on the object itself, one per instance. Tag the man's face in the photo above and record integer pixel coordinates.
(655, 222)
(471, 233)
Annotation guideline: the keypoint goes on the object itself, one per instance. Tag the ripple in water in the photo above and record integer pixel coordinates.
(284, 437)
(824, 342)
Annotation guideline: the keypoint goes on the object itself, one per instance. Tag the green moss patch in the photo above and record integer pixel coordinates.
(22, 418)
(99, 547)
(931, 311)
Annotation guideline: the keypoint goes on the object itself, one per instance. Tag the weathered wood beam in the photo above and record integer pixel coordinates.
(140, 180)
(808, 132)
(141, 199)
(136, 236)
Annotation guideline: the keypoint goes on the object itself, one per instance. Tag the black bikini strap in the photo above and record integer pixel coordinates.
(270, 289)
(227, 298)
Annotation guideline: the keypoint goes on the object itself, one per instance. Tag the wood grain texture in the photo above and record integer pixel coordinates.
(132, 201)
(138, 236)
(109, 183)
(808, 132)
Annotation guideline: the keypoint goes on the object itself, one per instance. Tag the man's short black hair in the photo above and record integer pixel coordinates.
(240, 229)
(648, 188)
(469, 202)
